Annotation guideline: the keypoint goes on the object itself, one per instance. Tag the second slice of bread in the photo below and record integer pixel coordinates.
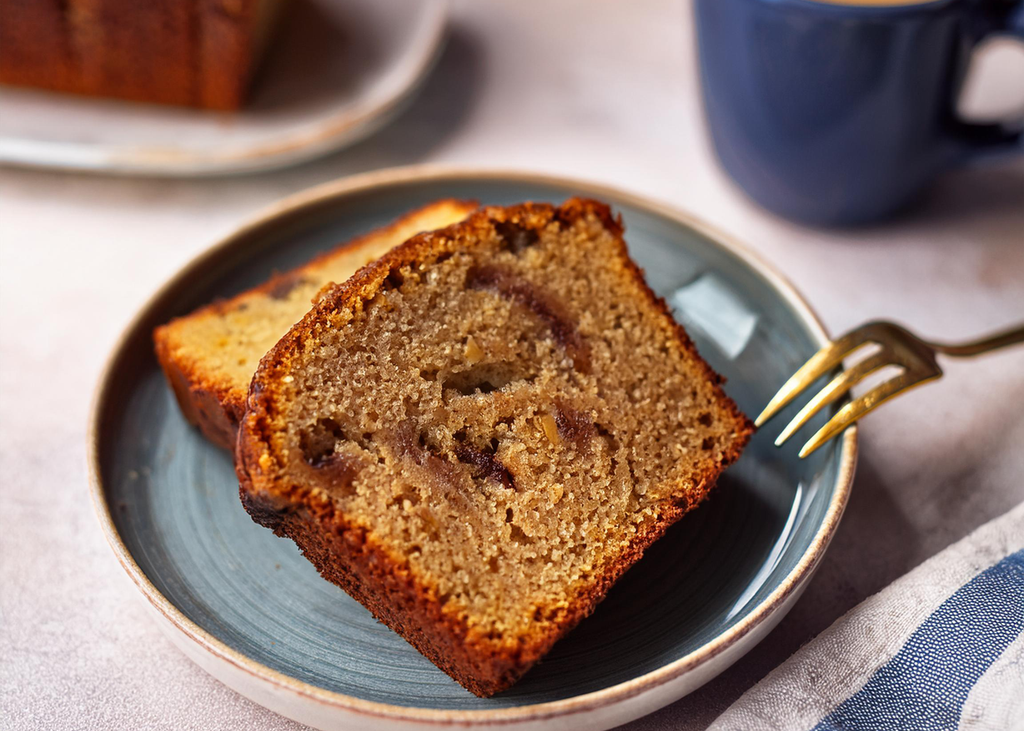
(209, 356)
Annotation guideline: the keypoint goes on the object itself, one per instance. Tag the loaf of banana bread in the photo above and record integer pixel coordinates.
(477, 435)
(188, 52)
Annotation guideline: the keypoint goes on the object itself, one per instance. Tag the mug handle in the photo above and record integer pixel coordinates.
(997, 138)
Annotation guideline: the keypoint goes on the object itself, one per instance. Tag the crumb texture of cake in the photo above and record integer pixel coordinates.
(194, 53)
(478, 434)
(209, 356)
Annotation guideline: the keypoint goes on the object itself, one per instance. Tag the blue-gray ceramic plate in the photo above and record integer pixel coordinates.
(250, 610)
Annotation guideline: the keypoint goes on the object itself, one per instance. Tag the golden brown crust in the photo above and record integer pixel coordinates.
(209, 404)
(227, 48)
(34, 48)
(206, 405)
(382, 582)
(131, 50)
(197, 53)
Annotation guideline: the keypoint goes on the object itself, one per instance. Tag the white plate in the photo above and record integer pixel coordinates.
(337, 71)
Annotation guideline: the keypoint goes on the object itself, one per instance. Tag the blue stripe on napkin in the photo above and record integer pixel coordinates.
(925, 685)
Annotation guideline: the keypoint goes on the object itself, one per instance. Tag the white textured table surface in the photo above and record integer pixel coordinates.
(613, 99)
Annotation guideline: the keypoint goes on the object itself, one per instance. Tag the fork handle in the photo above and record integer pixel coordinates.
(1003, 339)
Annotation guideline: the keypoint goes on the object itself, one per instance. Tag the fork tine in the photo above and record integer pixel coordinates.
(818, 365)
(865, 405)
(835, 389)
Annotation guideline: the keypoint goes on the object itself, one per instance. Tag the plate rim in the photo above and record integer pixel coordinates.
(363, 183)
(309, 139)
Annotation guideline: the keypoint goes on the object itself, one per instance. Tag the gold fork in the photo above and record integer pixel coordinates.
(897, 347)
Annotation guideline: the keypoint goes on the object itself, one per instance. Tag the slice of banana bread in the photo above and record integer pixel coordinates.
(210, 355)
(478, 434)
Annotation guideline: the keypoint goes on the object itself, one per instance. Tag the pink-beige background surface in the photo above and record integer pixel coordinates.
(601, 90)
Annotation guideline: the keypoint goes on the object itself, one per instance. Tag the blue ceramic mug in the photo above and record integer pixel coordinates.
(841, 112)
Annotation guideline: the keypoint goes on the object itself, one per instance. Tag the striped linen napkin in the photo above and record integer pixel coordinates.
(940, 648)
